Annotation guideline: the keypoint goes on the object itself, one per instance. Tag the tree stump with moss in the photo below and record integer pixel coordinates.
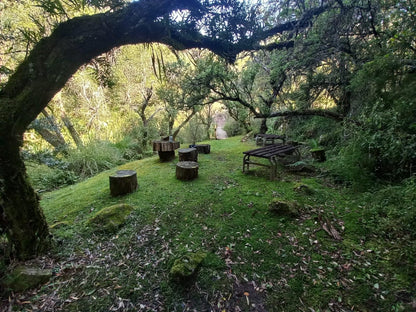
(123, 182)
(186, 170)
(203, 148)
(188, 154)
(318, 154)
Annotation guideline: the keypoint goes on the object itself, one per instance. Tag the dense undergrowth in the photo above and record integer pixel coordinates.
(344, 250)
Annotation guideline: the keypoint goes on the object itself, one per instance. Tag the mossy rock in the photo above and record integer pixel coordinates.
(284, 208)
(185, 267)
(23, 278)
(304, 189)
(110, 219)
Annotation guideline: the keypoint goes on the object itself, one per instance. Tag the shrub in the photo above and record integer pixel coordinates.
(130, 148)
(193, 132)
(233, 128)
(44, 178)
(391, 211)
(93, 158)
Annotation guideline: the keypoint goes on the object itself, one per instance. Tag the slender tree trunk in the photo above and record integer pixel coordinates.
(50, 132)
(56, 141)
(72, 131)
(175, 134)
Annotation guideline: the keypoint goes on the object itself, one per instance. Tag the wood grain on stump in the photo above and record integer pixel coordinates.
(188, 154)
(166, 156)
(165, 149)
(165, 146)
(203, 148)
(123, 182)
(186, 170)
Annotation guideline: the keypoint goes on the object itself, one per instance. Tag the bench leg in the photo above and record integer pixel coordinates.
(273, 168)
(246, 160)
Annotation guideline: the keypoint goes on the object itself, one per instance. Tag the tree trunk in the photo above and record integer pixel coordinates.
(175, 134)
(263, 126)
(26, 226)
(72, 131)
(56, 141)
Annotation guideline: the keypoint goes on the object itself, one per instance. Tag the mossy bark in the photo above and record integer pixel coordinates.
(21, 216)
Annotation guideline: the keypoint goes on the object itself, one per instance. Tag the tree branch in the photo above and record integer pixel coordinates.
(308, 112)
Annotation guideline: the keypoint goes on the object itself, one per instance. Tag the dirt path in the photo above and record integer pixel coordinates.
(220, 120)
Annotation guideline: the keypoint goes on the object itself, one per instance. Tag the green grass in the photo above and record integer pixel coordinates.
(285, 264)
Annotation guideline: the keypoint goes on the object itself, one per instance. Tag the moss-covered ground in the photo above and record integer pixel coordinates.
(331, 256)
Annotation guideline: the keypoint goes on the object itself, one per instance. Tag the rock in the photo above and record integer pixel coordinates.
(109, 219)
(23, 278)
(283, 208)
(185, 268)
(301, 167)
(304, 189)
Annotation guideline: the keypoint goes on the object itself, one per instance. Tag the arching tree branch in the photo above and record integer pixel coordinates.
(308, 112)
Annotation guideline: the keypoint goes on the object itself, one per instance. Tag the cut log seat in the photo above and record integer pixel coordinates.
(123, 182)
(188, 154)
(203, 148)
(165, 149)
(186, 170)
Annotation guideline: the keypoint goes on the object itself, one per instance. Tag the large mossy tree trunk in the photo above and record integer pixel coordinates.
(22, 218)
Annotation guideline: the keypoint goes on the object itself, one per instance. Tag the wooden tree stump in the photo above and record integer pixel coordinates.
(165, 149)
(123, 182)
(203, 148)
(166, 156)
(186, 170)
(318, 154)
(188, 154)
(165, 146)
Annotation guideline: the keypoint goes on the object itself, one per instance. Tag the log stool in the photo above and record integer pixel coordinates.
(186, 170)
(123, 182)
(188, 154)
(203, 148)
(165, 149)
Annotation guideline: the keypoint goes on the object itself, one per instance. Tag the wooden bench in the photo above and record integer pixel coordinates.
(271, 153)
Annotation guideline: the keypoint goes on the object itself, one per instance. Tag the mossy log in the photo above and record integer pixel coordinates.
(203, 148)
(123, 182)
(186, 170)
(188, 154)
